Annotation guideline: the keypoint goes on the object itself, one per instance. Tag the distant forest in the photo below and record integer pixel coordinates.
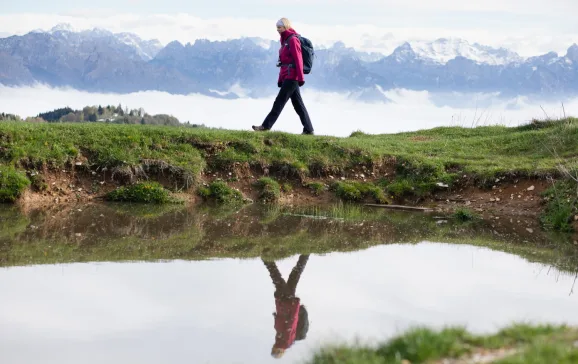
(107, 114)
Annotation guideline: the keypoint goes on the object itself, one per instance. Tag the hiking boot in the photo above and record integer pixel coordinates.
(259, 128)
(307, 133)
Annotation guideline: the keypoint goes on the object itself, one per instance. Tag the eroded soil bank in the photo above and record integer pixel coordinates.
(517, 201)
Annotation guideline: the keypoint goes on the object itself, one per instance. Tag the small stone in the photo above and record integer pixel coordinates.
(343, 178)
(78, 163)
(575, 217)
(497, 199)
(362, 175)
(468, 203)
(531, 188)
(529, 230)
(79, 190)
(78, 234)
(94, 173)
(492, 199)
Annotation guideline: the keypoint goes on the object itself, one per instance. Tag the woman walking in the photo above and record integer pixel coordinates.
(291, 77)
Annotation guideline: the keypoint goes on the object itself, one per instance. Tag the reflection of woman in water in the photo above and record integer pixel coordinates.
(291, 321)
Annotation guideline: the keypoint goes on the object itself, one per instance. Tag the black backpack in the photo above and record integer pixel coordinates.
(307, 52)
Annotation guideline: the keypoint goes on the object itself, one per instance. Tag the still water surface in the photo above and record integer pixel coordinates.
(82, 307)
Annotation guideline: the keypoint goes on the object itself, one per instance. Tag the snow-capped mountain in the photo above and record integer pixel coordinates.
(99, 60)
(146, 49)
(443, 50)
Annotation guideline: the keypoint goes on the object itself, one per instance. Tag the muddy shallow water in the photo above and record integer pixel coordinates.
(120, 284)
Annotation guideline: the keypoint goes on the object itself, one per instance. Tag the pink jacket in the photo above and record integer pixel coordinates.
(286, 319)
(288, 55)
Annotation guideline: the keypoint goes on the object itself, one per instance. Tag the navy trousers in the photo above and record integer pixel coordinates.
(289, 90)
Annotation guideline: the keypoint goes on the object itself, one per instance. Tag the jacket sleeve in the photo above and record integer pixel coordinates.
(295, 49)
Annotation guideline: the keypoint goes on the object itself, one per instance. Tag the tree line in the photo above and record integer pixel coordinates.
(103, 114)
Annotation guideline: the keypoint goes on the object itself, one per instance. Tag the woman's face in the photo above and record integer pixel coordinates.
(281, 29)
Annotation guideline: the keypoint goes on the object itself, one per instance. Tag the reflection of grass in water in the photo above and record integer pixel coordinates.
(221, 212)
(225, 232)
(128, 248)
(143, 211)
(12, 222)
(271, 213)
(533, 344)
(340, 210)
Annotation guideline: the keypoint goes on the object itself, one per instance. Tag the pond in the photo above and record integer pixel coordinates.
(121, 283)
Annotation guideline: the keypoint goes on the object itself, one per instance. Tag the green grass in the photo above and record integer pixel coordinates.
(464, 214)
(127, 151)
(220, 192)
(12, 183)
(433, 154)
(146, 192)
(561, 206)
(316, 187)
(533, 344)
(356, 191)
(269, 189)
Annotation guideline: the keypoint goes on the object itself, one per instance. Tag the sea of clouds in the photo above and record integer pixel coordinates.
(331, 113)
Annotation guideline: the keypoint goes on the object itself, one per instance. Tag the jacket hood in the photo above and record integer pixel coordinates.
(287, 33)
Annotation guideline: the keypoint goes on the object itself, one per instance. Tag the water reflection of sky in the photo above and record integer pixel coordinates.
(221, 311)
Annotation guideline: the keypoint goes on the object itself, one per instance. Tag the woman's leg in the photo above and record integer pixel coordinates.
(287, 89)
(280, 285)
(296, 273)
(299, 107)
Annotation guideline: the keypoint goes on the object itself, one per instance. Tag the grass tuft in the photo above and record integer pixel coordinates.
(532, 344)
(220, 192)
(561, 206)
(147, 192)
(269, 189)
(12, 183)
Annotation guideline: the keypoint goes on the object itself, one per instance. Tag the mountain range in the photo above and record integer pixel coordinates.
(98, 60)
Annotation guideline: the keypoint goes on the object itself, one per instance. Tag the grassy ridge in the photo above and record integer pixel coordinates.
(481, 151)
(528, 344)
(401, 165)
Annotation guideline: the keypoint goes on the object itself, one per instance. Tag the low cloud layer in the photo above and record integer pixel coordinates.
(331, 114)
